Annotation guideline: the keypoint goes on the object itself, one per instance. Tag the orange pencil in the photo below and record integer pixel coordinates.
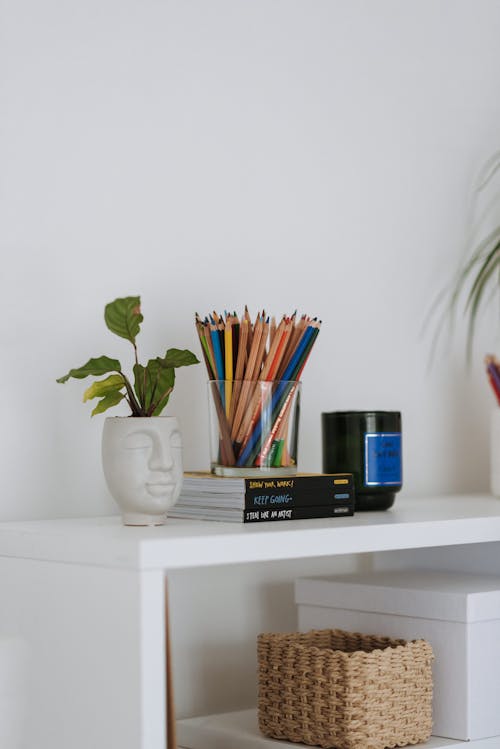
(283, 337)
(293, 341)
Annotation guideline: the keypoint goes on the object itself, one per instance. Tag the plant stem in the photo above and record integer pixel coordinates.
(133, 403)
(144, 388)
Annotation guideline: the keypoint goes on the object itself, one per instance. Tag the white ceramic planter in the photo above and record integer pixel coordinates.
(142, 462)
(495, 452)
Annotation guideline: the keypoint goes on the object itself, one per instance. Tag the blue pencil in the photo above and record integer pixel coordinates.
(219, 362)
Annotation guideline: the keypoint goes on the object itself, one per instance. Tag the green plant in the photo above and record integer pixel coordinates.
(153, 383)
(478, 279)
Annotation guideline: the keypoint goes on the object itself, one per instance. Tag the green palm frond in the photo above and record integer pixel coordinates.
(488, 171)
(487, 273)
(478, 279)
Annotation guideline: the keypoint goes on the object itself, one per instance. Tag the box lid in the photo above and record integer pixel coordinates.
(448, 596)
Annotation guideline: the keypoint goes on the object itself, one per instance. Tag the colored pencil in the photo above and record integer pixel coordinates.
(247, 385)
(493, 372)
(250, 446)
(228, 362)
(219, 363)
(240, 368)
(258, 366)
(261, 393)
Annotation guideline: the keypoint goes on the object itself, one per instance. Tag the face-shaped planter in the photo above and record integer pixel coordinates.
(142, 461)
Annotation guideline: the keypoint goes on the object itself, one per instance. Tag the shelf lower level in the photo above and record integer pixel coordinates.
(239, 730)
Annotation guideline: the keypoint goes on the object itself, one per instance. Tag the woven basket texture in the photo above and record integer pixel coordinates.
(332, 688)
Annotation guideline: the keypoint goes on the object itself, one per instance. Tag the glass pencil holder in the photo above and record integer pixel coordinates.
(254, 427)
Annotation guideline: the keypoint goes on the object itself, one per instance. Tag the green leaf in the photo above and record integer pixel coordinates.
(103, 387)
(178, 358)
(489, 269)
(95, 367)
(123, 317)
(155, 383)
(140, 384)
(487, 262)
(167, 381)
(109, 400)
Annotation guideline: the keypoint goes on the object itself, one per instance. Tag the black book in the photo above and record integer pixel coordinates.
(202, 490)
(297, 513)
(260, 516)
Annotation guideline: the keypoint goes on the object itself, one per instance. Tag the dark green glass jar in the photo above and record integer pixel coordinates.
(368, 445)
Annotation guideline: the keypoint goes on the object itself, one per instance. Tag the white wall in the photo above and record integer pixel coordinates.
(279, 153)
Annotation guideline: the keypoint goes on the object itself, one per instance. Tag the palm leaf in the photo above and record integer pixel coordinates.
(488, 171)
(476, 295)
(474, 278)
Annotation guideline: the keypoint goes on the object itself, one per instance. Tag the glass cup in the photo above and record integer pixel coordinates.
(368, 445)
(254, 427)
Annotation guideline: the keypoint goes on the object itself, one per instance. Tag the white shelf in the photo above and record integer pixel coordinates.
(410, 524)
(239, 730)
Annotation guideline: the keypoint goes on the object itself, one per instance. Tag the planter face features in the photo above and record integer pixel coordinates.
(142, 462)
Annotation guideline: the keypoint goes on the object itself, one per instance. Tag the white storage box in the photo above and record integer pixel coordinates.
(459, 614)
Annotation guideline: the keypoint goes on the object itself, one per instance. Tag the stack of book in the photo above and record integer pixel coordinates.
(205, 496)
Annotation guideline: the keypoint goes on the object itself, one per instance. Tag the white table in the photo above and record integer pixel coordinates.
(88, 598)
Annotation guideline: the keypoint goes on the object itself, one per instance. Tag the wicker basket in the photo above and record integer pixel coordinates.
(346, 690)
